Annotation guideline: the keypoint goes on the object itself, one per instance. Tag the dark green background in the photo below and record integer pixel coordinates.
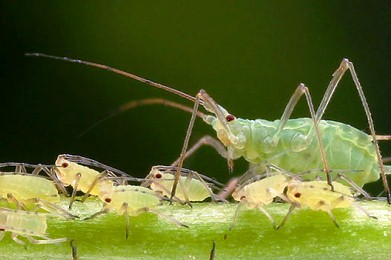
(249, 55)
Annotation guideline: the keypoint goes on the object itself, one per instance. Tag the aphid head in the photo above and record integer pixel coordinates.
(62, 170)
(227, 127)
(157, 174)
(62, 162)
(239, 195)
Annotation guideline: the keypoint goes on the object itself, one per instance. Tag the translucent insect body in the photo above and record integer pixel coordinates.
(26, 224)
(70, 171)
(315, 143)
(132, 201)
(317, 195)
(192, 186)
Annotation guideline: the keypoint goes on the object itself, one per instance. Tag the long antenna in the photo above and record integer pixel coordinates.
(117, 71)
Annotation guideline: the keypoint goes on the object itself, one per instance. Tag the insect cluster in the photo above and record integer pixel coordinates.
(27, 192)
(306, 162)
(32, 197)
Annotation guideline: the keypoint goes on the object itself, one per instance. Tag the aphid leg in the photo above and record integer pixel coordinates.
(126, 210)
(175, 198)
(103, 211)
(54, 209)
(186, 185)
(383, 137)
(300, 90)
(173, 220)
(229, 188)
(240, 204)
(211, 141)
(74, 250)
(337, 75)
(12, 199)
(52, 176)
(212, 251)
(354, 185)
(73, 196)
(332, 217)
(343, 197)
(386, 159)
(322, 204)
(98, 177)
(267, 214)
(291, 208)
(46, 240)
(363, 210)
(185, 145)
(184, 190)
(14, 236)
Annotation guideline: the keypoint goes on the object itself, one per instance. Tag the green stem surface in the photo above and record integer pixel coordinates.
(307, 235)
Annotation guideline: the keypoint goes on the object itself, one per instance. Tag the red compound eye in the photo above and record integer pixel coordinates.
(230, 118)
(64, 164)
(108, 200)
(158, 176)
(297, 195)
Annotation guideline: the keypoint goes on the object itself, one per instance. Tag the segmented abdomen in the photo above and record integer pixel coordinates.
(296, 149)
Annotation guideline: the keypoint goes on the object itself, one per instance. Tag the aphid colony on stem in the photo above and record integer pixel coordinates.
(130, 200)
(28, 192)
(313, 142)
(254, 191)
(110, 185)
(294, 145)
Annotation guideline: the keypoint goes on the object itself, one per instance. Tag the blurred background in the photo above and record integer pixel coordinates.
(249, 55)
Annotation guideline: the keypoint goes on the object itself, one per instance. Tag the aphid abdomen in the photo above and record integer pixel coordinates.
(317, 195)
(26, 223)
(196, 190)
(24, 187)
(136, 197)
(295, 150)
(262, 192)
